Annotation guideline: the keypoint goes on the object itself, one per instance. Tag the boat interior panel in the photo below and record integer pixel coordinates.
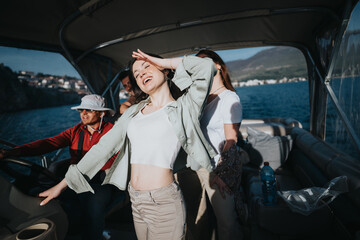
(16, 207)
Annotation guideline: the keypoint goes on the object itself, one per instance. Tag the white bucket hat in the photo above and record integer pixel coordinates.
(93, 102)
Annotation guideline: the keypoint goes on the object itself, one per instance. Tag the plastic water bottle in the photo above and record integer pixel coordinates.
(268, 183)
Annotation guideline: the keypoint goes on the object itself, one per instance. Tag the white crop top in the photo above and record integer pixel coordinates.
(153, 140)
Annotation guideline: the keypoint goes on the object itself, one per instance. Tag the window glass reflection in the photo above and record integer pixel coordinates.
(345, 82)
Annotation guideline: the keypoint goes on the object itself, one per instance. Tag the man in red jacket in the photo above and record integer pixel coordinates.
(80, 139)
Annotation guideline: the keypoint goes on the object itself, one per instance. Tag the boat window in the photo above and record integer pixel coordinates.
(345, 82)
(271, 83)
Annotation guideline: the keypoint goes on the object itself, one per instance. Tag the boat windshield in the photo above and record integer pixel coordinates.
(345, 83)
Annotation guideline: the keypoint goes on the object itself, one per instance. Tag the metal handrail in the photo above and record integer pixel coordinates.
(110, 84)
(67, 21)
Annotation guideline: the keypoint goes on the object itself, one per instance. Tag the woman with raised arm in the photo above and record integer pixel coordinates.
(149, 136)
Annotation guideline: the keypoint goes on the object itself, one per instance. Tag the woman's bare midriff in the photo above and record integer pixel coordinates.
(147, 177)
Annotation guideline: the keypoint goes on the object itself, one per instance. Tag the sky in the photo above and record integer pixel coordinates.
(56, 64)
(36, 61)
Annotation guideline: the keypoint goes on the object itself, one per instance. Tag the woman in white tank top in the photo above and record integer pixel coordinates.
(154, 130)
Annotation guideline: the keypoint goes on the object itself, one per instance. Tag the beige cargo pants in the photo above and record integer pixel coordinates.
(158, 214)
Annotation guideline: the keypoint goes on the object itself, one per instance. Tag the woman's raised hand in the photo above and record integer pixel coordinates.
(160, 63)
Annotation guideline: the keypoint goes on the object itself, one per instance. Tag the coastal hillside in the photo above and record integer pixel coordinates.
(16, 95)
(274, 63)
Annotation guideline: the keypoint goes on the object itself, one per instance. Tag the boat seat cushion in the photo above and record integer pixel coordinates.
(330, 161)
(270, 128)
(315, 163)
(263, 147)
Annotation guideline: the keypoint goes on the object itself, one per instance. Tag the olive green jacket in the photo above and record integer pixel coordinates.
(194, 74)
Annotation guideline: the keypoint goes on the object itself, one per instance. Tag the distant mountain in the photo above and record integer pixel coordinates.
(274, 63)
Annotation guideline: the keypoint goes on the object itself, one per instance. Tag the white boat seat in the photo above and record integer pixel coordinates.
(271, 126)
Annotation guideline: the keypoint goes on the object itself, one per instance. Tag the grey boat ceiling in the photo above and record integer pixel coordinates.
(108, 31)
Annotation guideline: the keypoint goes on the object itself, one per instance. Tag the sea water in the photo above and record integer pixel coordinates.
(285, 100)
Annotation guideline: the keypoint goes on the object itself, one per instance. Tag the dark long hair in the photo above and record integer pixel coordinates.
(174, 90)
(224, 73)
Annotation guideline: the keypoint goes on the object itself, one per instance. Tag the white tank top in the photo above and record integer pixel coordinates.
(224, 109)
(153, 140)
